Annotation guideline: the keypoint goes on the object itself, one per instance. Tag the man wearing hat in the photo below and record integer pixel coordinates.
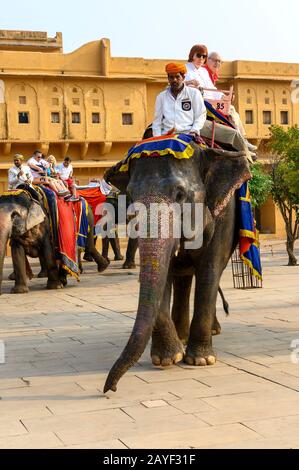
(179, 109)
(19, 173)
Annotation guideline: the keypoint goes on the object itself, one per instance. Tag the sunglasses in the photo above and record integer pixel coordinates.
(201, 56)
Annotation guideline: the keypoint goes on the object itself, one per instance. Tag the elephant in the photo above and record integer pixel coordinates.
(24, 220)
(114, 242)
(30, 235)
(93, 253)
(210, 178)
(101, 262)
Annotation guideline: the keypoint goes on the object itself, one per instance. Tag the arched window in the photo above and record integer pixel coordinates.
(75, 90)
(285, 95)
(55, 90)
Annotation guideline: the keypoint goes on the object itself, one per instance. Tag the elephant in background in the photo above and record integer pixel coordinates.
(25, 222)
(210, 177)
(95, 256)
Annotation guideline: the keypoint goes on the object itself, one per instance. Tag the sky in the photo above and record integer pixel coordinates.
(263, 30)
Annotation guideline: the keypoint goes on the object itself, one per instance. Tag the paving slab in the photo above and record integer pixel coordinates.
(60, 346)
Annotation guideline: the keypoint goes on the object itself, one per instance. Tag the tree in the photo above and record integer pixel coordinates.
(260, 185)
(284, 144)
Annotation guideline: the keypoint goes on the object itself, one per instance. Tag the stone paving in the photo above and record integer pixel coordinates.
(61, 344)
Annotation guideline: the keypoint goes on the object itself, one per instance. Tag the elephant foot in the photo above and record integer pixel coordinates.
(216, 328)
(166, 351)
(51, 285)
(200, 356)
(87, 257)
(63, 282)
(19, 290)
(42, 274)
(118, 257)
(12, 276)
(129, 265)
(103, 265)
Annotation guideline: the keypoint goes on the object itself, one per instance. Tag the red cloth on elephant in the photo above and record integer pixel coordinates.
(67, 236)
(95, 199)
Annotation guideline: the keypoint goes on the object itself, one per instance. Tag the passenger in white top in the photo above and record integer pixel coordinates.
(38, 164)
(197, 74)
(19, 173)
(179, 108)
(65, 170)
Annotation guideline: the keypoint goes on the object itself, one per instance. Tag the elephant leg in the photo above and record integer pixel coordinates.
(79, 261)
(19, 264)
(43, 271)
(29, 272)
(209, 268)
(180, 309)
(130, 254)
(199, 350)
(105, 247)
(100, 260)
(114, 242)
(50, 264)
(166, 349)
(87, 256)
(216, 327)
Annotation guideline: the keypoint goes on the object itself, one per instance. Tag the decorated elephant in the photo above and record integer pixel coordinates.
(24, 221)
(209, 177)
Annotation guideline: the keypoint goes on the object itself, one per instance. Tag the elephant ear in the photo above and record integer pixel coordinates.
(35, 216)
(223, 173)
(118, 176)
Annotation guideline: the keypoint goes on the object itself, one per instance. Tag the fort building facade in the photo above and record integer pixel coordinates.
(93, 107)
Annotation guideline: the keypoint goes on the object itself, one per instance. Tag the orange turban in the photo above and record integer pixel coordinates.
(176, 68)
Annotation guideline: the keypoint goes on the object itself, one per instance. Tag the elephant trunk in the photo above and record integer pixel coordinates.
(5, 231)
(154, 263)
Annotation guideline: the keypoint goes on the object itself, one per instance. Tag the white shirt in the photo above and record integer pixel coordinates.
(14, 180)
(202, 76)
(43, 164)
(64, 172)
(185, 113)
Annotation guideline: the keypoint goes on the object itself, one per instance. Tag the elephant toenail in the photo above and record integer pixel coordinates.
(177, 358)
(156, 360)
(200, 361)
(211, 360)
(189, 360)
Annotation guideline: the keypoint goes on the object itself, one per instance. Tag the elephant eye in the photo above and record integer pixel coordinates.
(180, 194)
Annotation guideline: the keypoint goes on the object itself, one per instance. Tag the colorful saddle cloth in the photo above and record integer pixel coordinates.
(248, 234)
(82, 226)
(63, 228)
(176, 145)
(95, 198)
(217, 116)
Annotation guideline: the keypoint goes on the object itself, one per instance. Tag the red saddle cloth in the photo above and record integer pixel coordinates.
(67, 236)
(95, 198)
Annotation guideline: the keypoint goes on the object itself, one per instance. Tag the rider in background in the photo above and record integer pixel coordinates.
(65, 172)
(38, 165)
(19, 173)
